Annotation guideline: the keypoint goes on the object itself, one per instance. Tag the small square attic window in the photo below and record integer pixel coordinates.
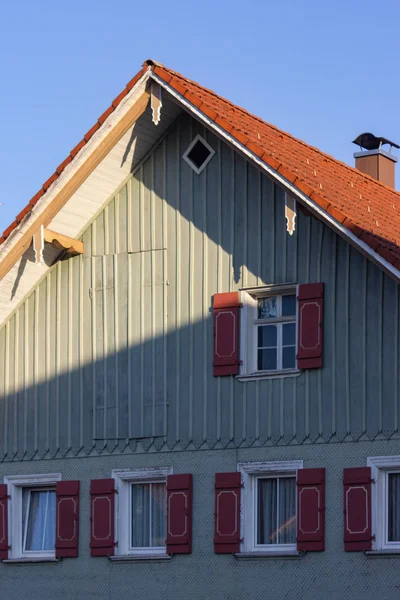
(198, 154)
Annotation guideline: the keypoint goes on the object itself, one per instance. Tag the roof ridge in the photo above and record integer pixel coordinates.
(282, 131)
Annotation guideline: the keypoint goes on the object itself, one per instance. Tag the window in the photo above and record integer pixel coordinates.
(269, 516)
(32, 516)
(269, 331)
(38, 520)
(199, 154)
(385, 471)
(141, 511)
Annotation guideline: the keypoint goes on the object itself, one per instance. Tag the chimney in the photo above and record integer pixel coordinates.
(375, 161)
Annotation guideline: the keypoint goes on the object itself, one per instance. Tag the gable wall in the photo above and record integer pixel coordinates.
(116, 346)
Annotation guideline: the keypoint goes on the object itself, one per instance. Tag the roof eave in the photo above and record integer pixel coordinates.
(19, 231)
(313, 206)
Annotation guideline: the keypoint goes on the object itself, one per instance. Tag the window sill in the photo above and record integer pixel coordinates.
(263, 555)
(381, 553)
(30, 561)
(269, 375)
(140, 558)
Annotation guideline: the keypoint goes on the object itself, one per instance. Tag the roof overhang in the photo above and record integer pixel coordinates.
(311, 205)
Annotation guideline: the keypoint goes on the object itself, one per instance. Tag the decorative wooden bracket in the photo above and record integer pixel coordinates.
(38, 244)
(156, 102)
(68, 246)
(290, 213)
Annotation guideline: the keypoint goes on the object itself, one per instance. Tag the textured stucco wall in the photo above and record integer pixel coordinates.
(333, 574)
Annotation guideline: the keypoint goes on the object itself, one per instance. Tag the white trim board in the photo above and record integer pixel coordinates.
(289, 186)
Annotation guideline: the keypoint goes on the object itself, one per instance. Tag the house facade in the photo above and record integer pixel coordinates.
(199, 377)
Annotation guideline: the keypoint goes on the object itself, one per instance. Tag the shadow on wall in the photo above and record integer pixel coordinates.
(107, 381)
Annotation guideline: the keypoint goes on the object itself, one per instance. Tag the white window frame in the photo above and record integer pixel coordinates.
(251, 472)
(191, 164)
(381, 466)
(249, 335)
(123, 480)
(15, 485)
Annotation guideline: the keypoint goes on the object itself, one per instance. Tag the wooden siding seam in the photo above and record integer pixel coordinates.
(165, 286)
(116, 339)
(395, 359)
(7, 383)
(347, 338)
(364, 348)
(94, 347)
(206, 304)
(333, 335)
(80, 358)
(178, 289)
(70, 356)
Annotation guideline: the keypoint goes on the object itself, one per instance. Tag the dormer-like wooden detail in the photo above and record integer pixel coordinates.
(156, 102)
(290, 214)
(67, 246)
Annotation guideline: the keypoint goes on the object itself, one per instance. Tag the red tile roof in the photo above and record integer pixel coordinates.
(366, 207)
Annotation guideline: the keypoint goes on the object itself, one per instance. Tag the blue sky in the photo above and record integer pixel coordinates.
(324, 71)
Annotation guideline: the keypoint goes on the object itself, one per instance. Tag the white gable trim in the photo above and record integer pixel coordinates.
(71, 169)
(306, 200)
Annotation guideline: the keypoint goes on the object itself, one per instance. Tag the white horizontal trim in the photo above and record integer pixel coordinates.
(382, 553)
(32, 480)
(271, 466)
(140, 558)
(385, 462)
(29, 561)
(142, 474)
(270, 289)
(323, 214)
(269, 375)
(266, 555)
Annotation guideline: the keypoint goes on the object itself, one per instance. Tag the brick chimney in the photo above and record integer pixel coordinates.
(373, 160)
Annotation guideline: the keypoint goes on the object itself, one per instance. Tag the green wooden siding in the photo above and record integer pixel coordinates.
(115, 347)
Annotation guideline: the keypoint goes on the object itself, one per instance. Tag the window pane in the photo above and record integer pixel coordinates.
(276, 511)
(140, 515)
(267, 307)
(158, 514)
(289, 305)
(394, 508)
(287, 511)
(39, 519)
(267, 336)
(267, 359)
(266, 511)
(289, 334)
(288, 357)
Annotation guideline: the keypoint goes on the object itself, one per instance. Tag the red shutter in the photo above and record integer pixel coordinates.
(311, 510)
(67, 519)
(179, 514)
(102, 540)
(227, 513)
(3, 522)
(310, 328)
(226, 334)
(357, 509)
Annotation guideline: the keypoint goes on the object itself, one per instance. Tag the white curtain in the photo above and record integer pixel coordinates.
(39, 516)
(394, 508)
(276, 510)
(148, 515)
